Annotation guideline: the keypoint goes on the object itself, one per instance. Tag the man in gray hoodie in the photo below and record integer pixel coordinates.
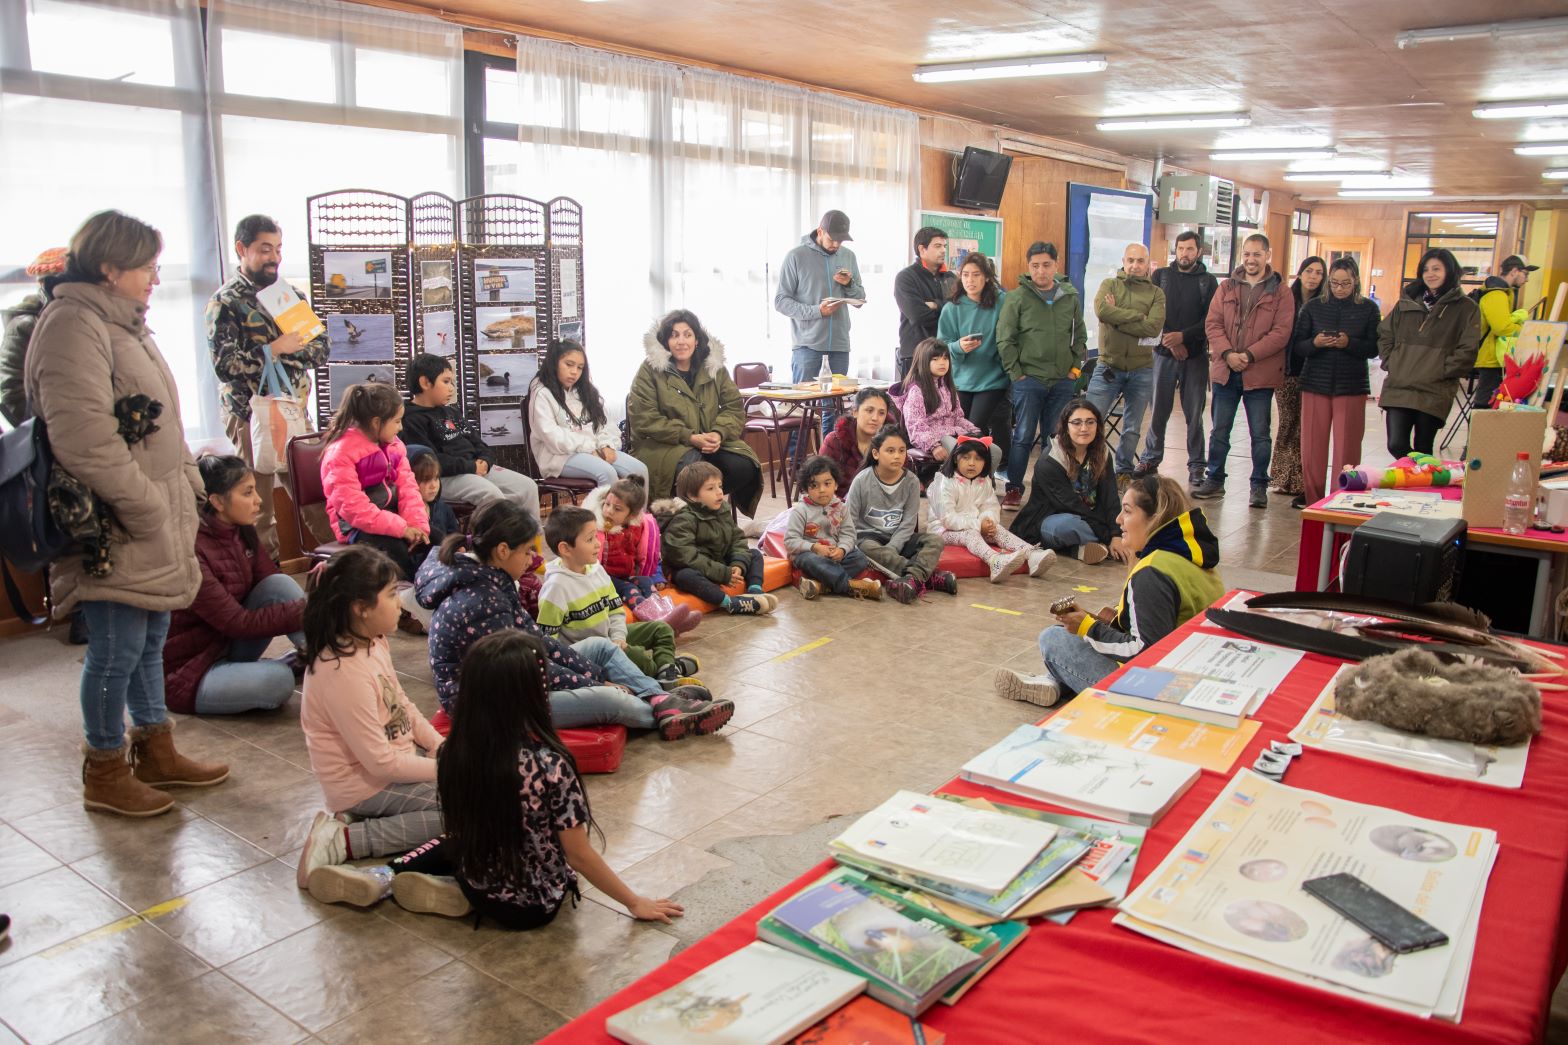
(816, 282)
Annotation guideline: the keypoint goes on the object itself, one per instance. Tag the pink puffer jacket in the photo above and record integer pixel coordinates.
(363, 479)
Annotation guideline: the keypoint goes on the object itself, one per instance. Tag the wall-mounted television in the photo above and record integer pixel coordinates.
(982, 175)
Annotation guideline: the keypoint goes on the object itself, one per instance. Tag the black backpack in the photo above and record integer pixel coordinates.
(29, 537)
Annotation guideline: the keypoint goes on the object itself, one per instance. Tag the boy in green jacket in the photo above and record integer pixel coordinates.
(704, 549)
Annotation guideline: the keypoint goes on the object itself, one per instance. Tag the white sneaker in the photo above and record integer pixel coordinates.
(1041, 560)
(358, 886)
(325, 846)
(429, 894)
(1032, 689)
(1004, 563)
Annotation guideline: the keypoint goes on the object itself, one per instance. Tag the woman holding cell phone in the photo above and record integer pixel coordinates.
(1335, 338)
(968, 326)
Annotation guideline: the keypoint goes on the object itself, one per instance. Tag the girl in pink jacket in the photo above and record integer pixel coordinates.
(932, 416)
(372, 496)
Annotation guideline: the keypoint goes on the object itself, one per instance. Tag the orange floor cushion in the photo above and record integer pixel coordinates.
(775, 574)
(597, 749)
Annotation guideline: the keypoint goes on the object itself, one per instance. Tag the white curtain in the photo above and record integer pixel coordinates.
(694, 184)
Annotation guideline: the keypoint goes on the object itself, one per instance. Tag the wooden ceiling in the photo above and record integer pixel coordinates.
(1312, 72)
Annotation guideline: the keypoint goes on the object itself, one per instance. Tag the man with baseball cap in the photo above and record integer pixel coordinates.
(1498, 319)
(818, 283)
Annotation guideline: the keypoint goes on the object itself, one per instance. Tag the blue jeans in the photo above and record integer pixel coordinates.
(1072, 662)
(834, 575)
(602, 472)
(804, 363)
(1136, 387)
(1065, 531)
(598, 706)
(123, 669)
(1036, 407)
(1260, 411)
(617, 666)
(242, 681)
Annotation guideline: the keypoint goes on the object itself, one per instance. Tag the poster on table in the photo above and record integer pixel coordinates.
(341, 376)
(506, 374)
(507, 327)
(440, 337)
(1234, 882)
(503, 279)
(502, 425)
(965, 233)
(357, 274)
(435, 283)
(359, 337)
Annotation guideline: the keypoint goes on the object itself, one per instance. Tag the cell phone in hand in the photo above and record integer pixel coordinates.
(1384, 920)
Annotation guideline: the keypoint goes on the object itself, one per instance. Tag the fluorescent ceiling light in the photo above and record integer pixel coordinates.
(1334, 175)
(1151, 123)
(1380, 194)
(1456, 215)
(1543, 149)
(1446, 33)
(1555, 173)
(1520, 109)
(1273, 154)
(1003, 68)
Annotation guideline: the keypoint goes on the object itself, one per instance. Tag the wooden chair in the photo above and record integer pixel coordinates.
(764, 417)
(574, 489)
(305, 491)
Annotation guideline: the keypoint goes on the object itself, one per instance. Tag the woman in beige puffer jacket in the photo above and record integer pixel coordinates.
(90, 350)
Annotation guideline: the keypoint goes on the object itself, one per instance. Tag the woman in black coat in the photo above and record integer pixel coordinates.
(1335, 337)
(1073, 497)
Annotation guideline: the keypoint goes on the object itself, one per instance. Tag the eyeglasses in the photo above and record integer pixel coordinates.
(1082, 422)
(1342, 284)
(152, 267)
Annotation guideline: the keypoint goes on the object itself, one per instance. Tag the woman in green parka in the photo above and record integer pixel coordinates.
(684, 407)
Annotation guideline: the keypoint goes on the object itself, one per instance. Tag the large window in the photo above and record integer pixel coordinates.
(1471, 236)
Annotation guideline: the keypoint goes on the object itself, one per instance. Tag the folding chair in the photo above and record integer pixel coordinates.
(1464, 399)
(764, 417)
(305, 491)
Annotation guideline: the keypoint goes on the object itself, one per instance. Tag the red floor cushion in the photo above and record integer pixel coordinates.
(597, 749)
(961, 562)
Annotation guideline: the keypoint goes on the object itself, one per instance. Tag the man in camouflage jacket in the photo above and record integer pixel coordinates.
(238, 329)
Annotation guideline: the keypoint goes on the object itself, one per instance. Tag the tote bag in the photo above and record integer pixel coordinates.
(276, 416)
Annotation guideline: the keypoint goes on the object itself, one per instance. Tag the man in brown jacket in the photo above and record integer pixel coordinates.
(1249, 324)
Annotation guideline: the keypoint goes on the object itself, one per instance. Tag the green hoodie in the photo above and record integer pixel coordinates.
(1139, 313)
(1039, 340)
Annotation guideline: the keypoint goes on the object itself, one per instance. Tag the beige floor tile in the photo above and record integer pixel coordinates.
(51, 908)
(244, 913)
(455, 1004)
(69, 832)
(675, 867)
(275, 818)
(326, 973)
(20, 858)
(196, 853)
(669, 800)
(210, 1008)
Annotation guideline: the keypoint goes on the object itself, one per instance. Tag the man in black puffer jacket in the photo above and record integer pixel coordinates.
(1181, 359)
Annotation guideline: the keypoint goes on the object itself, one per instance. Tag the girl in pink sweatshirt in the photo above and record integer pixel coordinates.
(372, 495)
(932, 415)
(370, 748)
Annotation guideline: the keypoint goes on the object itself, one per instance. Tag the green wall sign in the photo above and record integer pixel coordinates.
(965, 232)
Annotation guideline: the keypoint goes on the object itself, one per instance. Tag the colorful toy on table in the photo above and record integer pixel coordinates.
(1408, 472)
(1520, 381)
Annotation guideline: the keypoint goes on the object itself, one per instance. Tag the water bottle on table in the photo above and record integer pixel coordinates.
(825, 375)
(1519, 501)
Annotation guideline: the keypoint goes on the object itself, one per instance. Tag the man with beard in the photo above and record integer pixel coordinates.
(1181, 359)
(238, 331)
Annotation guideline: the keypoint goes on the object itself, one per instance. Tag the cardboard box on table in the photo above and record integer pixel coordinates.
(1496, 439)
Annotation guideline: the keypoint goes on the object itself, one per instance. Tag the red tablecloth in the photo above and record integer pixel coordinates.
(1092, 981)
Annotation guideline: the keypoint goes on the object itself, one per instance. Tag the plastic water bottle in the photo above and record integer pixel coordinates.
(825, 375)
(1520, 498)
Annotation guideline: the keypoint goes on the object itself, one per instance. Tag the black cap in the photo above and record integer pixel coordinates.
(836, 224)
(1514, 261)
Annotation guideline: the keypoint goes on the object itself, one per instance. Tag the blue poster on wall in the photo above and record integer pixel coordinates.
(1100, 224)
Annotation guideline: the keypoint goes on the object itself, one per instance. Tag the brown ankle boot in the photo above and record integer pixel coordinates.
(157, 763)
(870, 588)
(108, 785)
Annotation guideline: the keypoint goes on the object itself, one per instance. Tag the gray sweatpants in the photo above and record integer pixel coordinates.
(479, 490)
(917, 558)
(395, 820)
(1190, 377)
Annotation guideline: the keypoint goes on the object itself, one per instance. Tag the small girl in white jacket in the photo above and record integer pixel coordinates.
(965, 511)
(568, 431)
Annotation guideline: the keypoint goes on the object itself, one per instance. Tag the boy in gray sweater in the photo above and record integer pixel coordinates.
(821, 538)
(884, 507)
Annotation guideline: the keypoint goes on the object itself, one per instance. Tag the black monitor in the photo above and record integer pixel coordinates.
(982, 175)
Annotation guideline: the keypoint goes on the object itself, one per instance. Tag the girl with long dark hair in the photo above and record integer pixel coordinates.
(1427, 343)
(1285, 469)
(932, 414)
(372, 496)
(1073, 500)
(568, 431)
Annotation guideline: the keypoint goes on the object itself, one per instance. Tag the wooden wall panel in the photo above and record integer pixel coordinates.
(1034, 207)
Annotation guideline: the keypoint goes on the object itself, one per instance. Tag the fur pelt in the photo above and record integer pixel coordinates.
(664, 509)
(1412, 690)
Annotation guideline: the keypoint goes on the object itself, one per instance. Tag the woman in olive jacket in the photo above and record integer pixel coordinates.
(90, 353)
(1335, 337)
(684, 407)
(1428, 342)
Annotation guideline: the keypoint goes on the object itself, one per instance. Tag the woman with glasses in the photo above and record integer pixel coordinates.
(1073, 500)
(1335, 337)
(1285, 470)
(1428, 342)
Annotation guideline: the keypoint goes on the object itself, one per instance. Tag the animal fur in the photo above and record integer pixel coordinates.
(665, 509)
(1412, 690)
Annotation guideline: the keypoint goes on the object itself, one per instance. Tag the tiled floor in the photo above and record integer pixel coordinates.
(189, 927)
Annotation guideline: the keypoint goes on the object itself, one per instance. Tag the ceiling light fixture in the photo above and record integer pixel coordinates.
(1555, 173)
(1174, 122)
(1446, 33)
(1273, 154)
(1455, 215)
(1543, 149)
(1520, 109)
(1003, 68)
(1334, 175)
(1384, 194)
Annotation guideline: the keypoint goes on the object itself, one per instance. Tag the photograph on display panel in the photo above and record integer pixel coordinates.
(440, 338)
(341, 376)
(360, 337)
(506, 374)
(499, 280)
(435, 283)
(357, 274)
(502, 425)
(517, 327)
(570, 330)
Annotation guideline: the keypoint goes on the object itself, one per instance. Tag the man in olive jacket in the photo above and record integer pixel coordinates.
(1131, 310)
(1041, 340)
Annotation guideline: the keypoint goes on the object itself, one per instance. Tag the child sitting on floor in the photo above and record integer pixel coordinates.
(578, 601)
(704, 549)
(371, 494)
(820, 537)
(510, 856)
(629, 550)
(965, 511)
(427, 473)
(362, 732)
(884, 507)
